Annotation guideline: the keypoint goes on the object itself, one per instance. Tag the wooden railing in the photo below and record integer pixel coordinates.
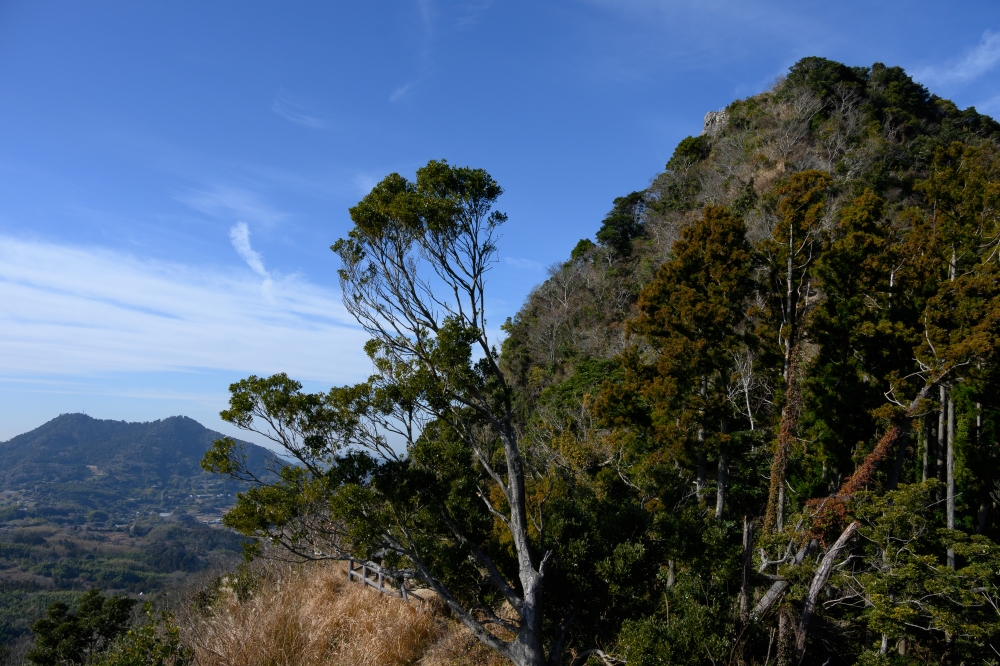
(373, 578)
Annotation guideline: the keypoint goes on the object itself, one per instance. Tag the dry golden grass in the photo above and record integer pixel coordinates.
(311, 616)
(456, 646)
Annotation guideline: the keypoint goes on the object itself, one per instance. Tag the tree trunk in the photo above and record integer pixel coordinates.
(527, 648)
(745, 575)
(774, 515)
(941, 438)
(671, 579)
(790, 302)
(979, 423)
(778, 589)
(984, 506)
(951, 474)
(926, 434)
(699, 478)
(720, 487)
(783, 657)
(700, 472)
(779, 510)
(819, 580)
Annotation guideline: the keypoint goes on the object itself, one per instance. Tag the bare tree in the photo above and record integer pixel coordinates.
(842, 130)
(748, 391)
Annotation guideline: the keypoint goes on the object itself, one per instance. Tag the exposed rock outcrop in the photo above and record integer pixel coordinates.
(715, 121)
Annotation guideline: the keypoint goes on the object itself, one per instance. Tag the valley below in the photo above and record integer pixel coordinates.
(123, 507)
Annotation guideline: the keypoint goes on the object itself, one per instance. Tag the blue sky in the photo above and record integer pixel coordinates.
(173, 174)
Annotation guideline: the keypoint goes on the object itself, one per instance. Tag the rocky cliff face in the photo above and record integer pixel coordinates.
(715, 122)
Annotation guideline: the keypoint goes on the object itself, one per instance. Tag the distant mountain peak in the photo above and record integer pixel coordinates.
(66, 447)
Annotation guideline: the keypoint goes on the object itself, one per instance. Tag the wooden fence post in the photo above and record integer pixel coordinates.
(361, 575)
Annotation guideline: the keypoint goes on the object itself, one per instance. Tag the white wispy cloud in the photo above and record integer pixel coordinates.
(523, 264)
(450, 15)
(977, 61)
(239, 235)
(435, 20)
(470, 13)
(229, 201)
(77, 311)
(296, 112)
(426, 9)
(401, 91)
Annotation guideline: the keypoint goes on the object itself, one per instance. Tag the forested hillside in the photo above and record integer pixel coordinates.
(799, 320)
(753, 420)
(75, 448)
(121, 506)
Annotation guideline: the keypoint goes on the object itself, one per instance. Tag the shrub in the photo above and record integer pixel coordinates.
(155, 643)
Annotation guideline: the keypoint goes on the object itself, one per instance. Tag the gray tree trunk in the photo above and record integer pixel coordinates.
(819, 580)
(951, 474)
(941, 437)
(779, 511)
(745, 575)
(791, 301)
(926, 434)
(720, 486)
(699, 479)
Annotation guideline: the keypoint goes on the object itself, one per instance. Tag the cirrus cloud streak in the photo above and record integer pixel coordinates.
(70, 310)
(978, 60)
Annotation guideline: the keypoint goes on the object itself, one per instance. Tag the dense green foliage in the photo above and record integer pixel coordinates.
(65, 637)
(754, 422)
(864, 210)
(99, 632)
(623, 223)
(154, 643)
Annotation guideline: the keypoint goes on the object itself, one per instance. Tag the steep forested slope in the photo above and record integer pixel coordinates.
(793, 330)
(868, 128)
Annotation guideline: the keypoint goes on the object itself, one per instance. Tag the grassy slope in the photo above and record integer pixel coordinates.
(310, 614)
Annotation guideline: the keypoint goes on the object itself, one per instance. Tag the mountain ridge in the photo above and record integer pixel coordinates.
(77, 447)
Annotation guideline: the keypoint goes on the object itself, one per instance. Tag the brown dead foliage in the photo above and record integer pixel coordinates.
(829, 513)
(311, 616)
